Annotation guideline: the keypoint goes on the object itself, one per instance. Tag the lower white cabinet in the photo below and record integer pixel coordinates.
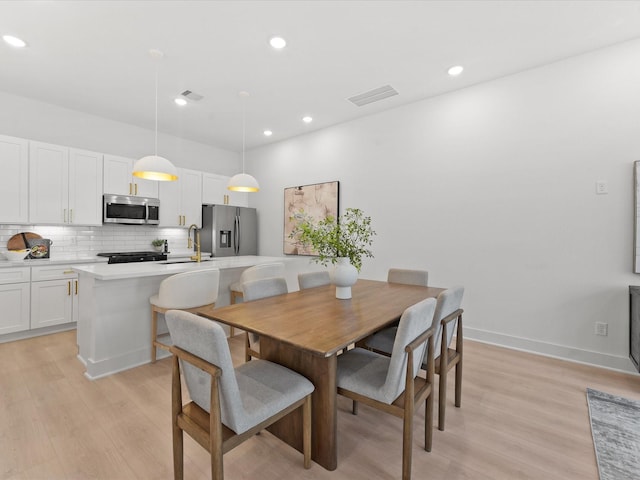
(54, 296)
(14, 299)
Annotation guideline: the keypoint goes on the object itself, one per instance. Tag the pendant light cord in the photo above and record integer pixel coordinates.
(156, 139)
(244, 120)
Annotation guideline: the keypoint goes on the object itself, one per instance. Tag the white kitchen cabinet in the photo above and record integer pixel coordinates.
(181, 201)
(118, 179)
(14, 299)
(215, 192)
(14, 181)
(85, 187)
(48, 183)
(54, 296)
(65, 185)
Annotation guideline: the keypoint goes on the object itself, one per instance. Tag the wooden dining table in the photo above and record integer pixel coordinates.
(306, 330)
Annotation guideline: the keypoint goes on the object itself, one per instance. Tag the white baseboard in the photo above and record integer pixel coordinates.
(597, 359)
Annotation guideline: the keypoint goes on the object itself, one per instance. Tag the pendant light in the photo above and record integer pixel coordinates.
(153, 167)
(243, 182)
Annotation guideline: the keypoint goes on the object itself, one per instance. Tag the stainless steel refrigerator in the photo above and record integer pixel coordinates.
(228, 230)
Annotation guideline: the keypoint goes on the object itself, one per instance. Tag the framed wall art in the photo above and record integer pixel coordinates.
(318, 201)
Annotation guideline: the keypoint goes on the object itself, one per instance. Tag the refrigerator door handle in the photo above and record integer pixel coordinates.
(236, 234)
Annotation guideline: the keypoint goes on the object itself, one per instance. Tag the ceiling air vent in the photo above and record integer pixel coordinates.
(373, 95)
(194, 97)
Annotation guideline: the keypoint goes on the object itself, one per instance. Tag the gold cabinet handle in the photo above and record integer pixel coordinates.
(64, 215)
(68, 272)
(130, 188)
(136, 188)
(76, 287)
(71, 215)
(69, 288)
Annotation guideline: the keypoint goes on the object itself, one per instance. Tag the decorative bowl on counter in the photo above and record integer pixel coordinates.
(16, 255)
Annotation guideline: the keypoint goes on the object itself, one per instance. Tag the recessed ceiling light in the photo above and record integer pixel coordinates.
(267, 133)
(307, 119)
(455, 71)
(180, 101)
(277, 42)
(14, 41)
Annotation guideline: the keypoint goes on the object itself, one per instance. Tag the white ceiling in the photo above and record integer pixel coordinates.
(93, 56)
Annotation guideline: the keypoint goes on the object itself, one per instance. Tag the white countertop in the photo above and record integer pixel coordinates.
(102, 271)
(63, 259)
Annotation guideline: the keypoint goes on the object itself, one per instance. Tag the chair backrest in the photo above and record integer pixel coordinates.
(207, 340)
(264, 270)
(408, 277)
(189, 289)
(313, 279)
(448, 302)
(264, 287)
(414, 321)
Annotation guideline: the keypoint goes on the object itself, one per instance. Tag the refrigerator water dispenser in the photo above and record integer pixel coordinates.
(225, 239)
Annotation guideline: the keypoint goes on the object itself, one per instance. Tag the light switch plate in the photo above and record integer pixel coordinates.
(601, 187)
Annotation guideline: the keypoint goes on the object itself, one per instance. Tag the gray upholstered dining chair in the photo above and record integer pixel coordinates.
(391, 384)
(446, 320)
(182, 291)
(408, 277)
(313, 279)
(228, 405)
(255, 290)
(263, 270)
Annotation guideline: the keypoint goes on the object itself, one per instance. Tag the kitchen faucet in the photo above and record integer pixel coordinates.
(198, 256)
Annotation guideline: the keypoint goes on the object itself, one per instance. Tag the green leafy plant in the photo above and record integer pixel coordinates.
(349, 236)
(158, 242)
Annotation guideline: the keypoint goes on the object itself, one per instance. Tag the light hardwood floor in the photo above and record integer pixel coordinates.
(523, 417)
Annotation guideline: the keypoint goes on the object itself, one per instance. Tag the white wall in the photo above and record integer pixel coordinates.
(35, 120)
(493, 187)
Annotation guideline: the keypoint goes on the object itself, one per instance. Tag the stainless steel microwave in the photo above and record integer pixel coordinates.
(131, 210)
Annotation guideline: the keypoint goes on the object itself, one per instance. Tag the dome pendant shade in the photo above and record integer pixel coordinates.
(153, 167)
(243, 182)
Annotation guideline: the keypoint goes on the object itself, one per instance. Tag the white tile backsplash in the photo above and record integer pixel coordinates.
(90, 240)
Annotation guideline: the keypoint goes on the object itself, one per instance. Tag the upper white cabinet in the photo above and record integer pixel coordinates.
(65, 185)
(118, 179)
(214, 191)
(49, 183)
(14, 181)
(85, 187)
(181, 201)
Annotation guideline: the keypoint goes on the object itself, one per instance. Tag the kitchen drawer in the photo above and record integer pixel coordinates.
(52, 272)
(14, 275)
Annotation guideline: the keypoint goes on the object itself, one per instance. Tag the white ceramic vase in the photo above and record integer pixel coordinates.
(343, 276)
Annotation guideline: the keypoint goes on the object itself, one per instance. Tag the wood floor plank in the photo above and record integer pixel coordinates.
(523, 416)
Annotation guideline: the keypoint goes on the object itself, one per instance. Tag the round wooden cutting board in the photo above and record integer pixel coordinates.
(19, 240)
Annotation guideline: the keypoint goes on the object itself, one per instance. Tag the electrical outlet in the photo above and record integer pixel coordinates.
(601, 328)
(601, 187)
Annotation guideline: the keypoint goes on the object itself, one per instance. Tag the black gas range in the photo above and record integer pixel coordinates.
(128, 257)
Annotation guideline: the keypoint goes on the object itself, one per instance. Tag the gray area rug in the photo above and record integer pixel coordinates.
(615, 427)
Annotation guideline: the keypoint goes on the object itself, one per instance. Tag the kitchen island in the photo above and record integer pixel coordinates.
(114, 323)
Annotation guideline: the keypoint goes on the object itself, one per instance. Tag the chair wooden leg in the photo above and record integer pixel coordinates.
(247, 347)
(215, 437)
(407, 443)
(154, 333)
(232, 332)
(442, 394)
(176, 408)
(354, 407)
(306, 431)
(428, 423)
(459, 382)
